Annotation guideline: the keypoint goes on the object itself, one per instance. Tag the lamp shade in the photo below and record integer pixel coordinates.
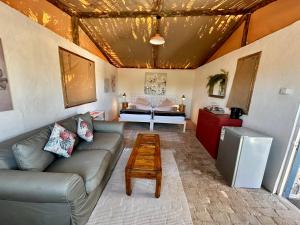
(157, 40)
(183, 97)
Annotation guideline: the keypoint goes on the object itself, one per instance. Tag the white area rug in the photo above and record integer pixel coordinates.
(115, 207)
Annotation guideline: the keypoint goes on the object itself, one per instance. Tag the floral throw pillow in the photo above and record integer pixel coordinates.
(83, 130)
(61, 141)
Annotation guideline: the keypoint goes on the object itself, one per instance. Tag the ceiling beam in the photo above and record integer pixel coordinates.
(181, 13)
(157, 5)
(75, 24)
(246, 18)
(224, 39)
(62, 7)
(157, 8)
(75, 29)
(155, 56)
(96, 42)
(245, 31)
(260, 5)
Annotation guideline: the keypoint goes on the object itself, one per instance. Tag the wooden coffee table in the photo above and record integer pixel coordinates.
(144, 161)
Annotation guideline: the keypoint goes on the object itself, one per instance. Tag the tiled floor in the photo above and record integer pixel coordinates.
(210, 200)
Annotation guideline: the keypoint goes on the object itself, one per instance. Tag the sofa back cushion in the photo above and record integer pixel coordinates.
(70, 124)
(29, 153)
(7, 160)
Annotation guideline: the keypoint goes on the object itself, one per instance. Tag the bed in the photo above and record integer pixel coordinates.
(136, 115)
(153, 109)
(170, 117)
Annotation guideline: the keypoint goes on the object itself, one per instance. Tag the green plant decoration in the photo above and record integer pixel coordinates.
(214, 79)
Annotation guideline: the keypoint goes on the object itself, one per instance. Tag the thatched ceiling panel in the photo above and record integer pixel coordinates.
(193, 29)
(108, 5)
(189, 39)
(96, 6)
(126, 40)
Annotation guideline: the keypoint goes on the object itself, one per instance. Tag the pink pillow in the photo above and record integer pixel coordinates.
(143, 107)
(166, 102)
(83, 130)
(142, 101)
(61, 141)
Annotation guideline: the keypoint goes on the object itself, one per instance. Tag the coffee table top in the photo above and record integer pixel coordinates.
(145, 155)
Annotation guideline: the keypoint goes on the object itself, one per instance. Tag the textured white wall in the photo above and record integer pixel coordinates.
(32, 61)
(270, 112)
(179, 82)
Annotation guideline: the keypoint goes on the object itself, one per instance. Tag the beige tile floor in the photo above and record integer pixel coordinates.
(210, 200)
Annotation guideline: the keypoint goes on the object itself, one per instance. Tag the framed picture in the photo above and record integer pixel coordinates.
(106, 85)
(113, 83)
(155, 83)
(78, 79)
(5, 96)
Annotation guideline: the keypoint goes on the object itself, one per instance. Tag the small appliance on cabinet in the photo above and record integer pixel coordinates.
(242, 156)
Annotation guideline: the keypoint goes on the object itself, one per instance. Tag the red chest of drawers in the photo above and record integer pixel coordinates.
(209, 127)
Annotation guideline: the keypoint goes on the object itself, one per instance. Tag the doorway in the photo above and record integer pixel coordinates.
(292, 187)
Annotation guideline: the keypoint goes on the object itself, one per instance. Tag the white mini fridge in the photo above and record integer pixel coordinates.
(242, 156)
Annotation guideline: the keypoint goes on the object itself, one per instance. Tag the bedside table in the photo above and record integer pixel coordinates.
(124, 105)
(98, 115)
(181, 108)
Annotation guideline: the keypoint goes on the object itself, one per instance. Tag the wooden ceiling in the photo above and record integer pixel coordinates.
(193, 29)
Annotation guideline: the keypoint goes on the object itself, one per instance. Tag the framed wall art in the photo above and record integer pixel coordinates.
(5, 96)
(155, 83)
(78, 79)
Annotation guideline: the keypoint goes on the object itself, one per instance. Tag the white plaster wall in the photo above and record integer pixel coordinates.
(32, 61)
(269, 112)
(179, 82)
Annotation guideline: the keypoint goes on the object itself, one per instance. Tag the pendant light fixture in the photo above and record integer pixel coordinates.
(157, 39)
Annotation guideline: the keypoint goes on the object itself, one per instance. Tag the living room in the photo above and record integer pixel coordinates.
(159, 93)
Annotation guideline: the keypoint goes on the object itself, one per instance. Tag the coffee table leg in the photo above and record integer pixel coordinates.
(158, 185)
(128, 184)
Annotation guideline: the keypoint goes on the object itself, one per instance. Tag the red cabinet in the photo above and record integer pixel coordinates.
(209, 129)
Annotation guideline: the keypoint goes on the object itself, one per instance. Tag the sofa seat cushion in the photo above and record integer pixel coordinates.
(103, 141)
(91, 165)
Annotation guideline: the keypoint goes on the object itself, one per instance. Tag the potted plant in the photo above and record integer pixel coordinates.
(217, 84)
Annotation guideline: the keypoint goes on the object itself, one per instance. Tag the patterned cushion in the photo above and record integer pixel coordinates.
(84, 131)
(88, 119)
(61, 141)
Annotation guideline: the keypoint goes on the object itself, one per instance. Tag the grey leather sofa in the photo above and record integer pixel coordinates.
(66, 192)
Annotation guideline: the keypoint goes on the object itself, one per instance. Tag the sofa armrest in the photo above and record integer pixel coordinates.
(108, 127)
(42, 187)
